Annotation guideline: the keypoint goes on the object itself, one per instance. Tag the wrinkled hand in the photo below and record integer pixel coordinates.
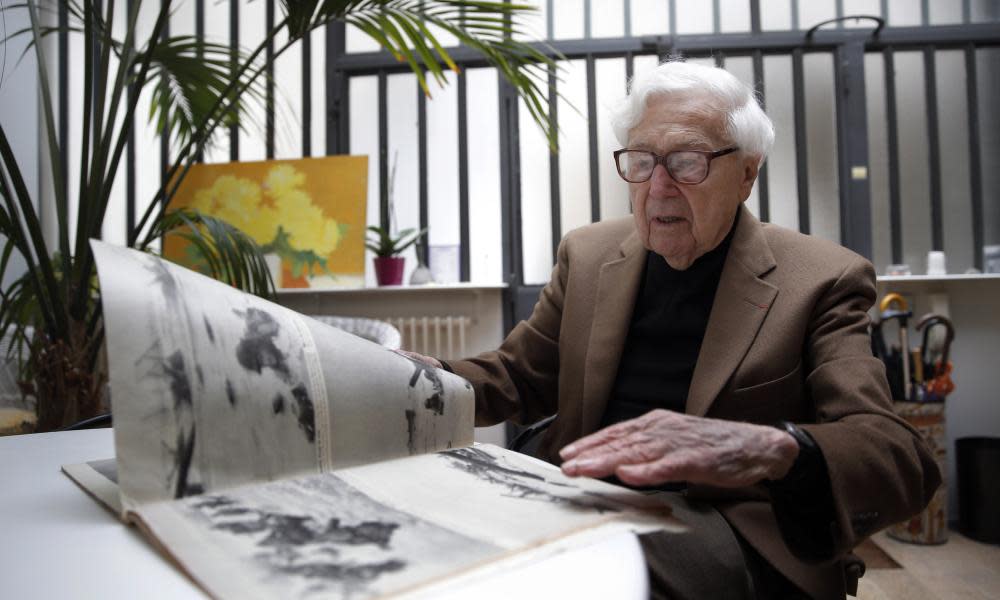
(427, 360)
(664, 446)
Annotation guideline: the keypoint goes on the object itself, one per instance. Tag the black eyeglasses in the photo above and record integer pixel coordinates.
(685, 166)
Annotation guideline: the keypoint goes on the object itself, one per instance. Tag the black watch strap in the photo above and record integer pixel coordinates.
(809, 453)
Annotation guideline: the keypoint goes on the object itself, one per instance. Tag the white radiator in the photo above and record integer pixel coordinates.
(440, 337)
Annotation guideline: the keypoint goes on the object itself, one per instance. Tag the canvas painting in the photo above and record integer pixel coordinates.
(308, 215)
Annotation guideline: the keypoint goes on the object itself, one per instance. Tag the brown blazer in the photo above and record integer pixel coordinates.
(786, 339)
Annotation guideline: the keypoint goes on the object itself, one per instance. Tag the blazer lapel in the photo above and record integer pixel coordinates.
(617, 286)
(741, 303)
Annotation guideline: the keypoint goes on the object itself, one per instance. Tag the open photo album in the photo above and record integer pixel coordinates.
(268, 455)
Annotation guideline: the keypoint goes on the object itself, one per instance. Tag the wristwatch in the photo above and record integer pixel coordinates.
(809, 454)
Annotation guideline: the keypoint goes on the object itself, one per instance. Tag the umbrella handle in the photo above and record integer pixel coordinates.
(891, 299)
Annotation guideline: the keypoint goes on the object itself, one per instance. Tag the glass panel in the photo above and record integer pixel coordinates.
(567, 20)
(252, 30)
(988, 67)
(694, 16)
(650, 17)
(862, 7)
(536, 201)
(776, 15)
(914, 191)
(607, 18)
(217, 31)
(953, 129)
(356, 40)
(945, 13)
(363, 94)
(742, 67)
(485, 248)
(574, 146)
(878, 160)
(610, 85)
(734, 16)
(782, 178)
(317, 65)
(821, 131)
(287, 99)
(442, 176)
(903, 12)
(404, 160)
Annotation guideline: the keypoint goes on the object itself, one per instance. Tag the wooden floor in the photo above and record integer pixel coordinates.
(959, 569)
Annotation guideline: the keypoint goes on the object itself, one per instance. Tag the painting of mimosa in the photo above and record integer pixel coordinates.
(307, 214)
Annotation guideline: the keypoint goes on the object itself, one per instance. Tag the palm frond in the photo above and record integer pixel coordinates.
(493, 29)
(192, 76)
(226, 253)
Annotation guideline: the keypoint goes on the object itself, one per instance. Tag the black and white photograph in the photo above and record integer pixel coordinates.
(312, 537)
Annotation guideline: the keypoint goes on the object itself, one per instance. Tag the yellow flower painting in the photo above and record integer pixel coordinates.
(307, 214)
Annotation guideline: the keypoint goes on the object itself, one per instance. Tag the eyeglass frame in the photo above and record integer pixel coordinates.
(662, 160)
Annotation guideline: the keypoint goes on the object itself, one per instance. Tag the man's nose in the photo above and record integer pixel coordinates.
(661, 181)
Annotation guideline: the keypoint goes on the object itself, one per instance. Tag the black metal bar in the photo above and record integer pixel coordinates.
(733, 44)
(852, 149)
(763, 187)
(165, 134)
(839, 12)
(892, 139)
(199, 33)
(130, 152)
(422, 250)
(884, 10)
(383, 150)
(63, 51)
(628, 18)
(629, 69)
(234, 48)
(199, 21)
(975, 165)
(269, 82)
(510, 196)
(966, 11)
(463, 178)
(337, 92)
(720, 59)
(555, 193)
(586, 20)
(672, 13)
(801, 140)
(595, 176)
(925, 13)
(549, 26)
(716, 17)
(933, 149)
(755, 16)
(307, 95)
(795, 14)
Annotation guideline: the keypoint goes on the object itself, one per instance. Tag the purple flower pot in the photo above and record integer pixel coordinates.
(389, 269)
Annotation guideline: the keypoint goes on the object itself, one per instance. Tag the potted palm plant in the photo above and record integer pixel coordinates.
(388, 262)
(52, 312)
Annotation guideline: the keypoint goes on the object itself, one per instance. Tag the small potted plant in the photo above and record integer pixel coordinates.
(388, 263)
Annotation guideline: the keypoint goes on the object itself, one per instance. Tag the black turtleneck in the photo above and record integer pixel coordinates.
(664, 338)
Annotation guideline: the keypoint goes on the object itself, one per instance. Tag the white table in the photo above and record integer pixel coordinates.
(57, 542)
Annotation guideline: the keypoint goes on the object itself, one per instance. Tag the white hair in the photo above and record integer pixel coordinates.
(747, 126)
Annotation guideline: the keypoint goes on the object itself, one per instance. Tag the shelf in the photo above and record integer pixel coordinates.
(937, 278)
(430, 288)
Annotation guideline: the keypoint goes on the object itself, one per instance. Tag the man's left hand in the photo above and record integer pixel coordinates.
(664, 446)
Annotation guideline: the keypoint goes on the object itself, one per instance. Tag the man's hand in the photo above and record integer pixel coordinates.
(427, 360)
(664, 446)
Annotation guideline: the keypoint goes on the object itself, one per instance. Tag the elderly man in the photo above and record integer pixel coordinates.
(679, 346)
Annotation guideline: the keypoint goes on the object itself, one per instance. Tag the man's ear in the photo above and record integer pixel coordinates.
(751, 166)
